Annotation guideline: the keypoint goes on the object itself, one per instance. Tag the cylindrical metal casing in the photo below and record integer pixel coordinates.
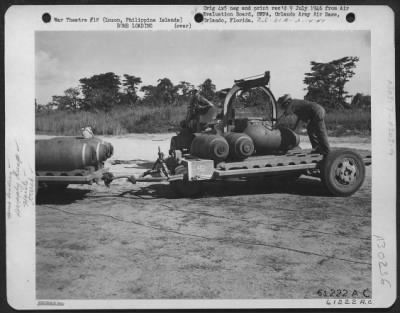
(289, 139)
(182, 141)
(63, 154)
(241, 146)
(209, 146)
(103, 149)
(267, 141)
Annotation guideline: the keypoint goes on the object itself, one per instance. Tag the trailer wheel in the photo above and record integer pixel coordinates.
(342, 172)
(184, 187)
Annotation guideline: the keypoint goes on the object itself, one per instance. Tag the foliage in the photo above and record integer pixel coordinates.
(326, 81)
(166, 92)
(361, 101)
(121, 120)
(69, 101)
(184, 90)
(131, 83)
(100, 91)
(114, 107)
(253, 103)
(125, 119)
(103, 92)
(208, 89)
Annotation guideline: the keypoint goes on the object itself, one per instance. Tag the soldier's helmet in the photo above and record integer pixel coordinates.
(284, 101)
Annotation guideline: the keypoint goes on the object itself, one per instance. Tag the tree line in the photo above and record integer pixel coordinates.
(325, 84)
(326, 81)
(103, 92)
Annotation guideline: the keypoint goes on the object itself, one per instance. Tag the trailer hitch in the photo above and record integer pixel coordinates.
(159, 168)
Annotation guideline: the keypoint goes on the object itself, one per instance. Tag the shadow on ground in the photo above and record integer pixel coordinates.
(302, 186)
(138, 163)
(67, 196)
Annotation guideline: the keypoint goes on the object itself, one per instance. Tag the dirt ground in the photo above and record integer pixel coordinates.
(240, 239)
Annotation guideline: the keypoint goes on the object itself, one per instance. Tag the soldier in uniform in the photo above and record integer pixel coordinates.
(314, 115)
(200, 113)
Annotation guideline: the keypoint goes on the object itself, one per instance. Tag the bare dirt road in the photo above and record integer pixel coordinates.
(240, 239)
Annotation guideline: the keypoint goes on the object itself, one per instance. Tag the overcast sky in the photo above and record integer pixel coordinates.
(63, 57)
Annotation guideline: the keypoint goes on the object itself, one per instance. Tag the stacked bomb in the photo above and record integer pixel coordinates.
(236, 146)
(241, 146)
(210, 146)
(267, 141)
(70, 153)
(255, 139)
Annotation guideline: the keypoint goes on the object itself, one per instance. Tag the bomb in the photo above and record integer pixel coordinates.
(70, 153)
(241, 146)
(209, 146)
(103, 149)
(63, 154)
(267, 141)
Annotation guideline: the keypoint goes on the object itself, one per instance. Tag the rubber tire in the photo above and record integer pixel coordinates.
(328, 168)
(184, 187)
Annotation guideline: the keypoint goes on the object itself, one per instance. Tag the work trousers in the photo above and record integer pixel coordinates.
(318, 134)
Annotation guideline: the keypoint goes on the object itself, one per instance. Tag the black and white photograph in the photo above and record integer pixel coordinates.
(215, 164)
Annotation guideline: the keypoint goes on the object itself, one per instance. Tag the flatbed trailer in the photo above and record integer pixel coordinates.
(342, 171)
(292, 161)
(59, 180)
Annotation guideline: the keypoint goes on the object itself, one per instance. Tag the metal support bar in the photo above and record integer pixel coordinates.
(72, 179)
(261, 171)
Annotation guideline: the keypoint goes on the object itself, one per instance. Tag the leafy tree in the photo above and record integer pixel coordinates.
(148, 90)
(73, 97)
(131, 83)
(61, 102)
(166, 92)
(185, 88)
(361, 101)
(326, 81)
(69, 101)
(149, 97)
(207, 89)
(101, 91)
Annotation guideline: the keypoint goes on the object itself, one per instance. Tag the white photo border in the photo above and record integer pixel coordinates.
(21, 23)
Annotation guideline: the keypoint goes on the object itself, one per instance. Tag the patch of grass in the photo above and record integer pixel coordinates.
(121, 120)
(142, 119)
(348, 122)
(341, 123)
